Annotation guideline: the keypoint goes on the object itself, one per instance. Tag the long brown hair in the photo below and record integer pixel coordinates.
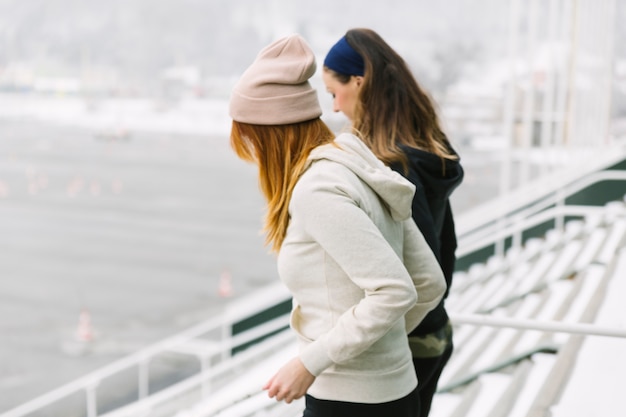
(280, 152)
(392, 109)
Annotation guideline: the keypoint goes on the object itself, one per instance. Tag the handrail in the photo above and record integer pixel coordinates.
(485, 230)
(544, 325)
(92, 379)
(89, 382)
(524, 324)
(533, 194)
(196, 381)
(521, 225)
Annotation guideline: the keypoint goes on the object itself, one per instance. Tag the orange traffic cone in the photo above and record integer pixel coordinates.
(84, 331)
(225, 289)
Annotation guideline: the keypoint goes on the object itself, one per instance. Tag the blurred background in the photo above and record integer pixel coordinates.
(125, 217)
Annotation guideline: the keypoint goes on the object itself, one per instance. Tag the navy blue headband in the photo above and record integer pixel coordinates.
(343, 59)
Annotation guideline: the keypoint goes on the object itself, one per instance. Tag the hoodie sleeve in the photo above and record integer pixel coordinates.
(328, 209)
(425, 272)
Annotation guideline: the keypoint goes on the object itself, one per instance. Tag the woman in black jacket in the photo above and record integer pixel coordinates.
(372, 85)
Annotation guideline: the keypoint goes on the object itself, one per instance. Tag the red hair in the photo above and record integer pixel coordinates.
(280, 152)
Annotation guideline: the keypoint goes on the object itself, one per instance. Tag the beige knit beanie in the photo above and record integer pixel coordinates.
(275, 89)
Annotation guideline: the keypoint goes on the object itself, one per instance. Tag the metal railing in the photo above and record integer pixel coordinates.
(187, 342)
(587, 329)
(202, 381)
(551, 206)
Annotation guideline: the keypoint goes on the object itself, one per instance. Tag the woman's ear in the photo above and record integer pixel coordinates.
(359, 80)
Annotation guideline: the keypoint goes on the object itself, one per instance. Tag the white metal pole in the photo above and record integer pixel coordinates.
(548, 117)
(573, 134)
(592, 45)
(144, 377)
(608, 71)
(508, 122)
(559, 140)
(549, 326)
(528, 121)
(205, 363)
(92, 406)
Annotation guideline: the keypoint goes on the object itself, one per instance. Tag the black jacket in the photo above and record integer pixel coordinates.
(433, 215)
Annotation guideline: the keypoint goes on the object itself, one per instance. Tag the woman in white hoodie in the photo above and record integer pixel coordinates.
(359, 270)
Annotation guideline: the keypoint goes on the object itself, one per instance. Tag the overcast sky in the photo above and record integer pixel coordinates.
(139, 38)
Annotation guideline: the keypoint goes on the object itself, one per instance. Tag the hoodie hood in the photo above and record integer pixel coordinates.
(394, 190)
(437, 182)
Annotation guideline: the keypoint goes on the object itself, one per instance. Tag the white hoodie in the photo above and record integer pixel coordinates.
(360, 272)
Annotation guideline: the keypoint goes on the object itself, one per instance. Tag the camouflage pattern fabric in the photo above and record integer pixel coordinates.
(433, 344)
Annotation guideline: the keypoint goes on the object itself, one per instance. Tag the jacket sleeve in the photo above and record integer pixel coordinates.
(448, 246)
(425, 272)
(333, 218)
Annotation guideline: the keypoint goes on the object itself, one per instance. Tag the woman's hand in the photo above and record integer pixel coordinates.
(290, 382)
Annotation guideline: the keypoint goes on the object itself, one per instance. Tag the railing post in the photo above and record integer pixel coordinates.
(517, 235)
(559, 218)
(227, 334)
(499, 243)
(144, 375)
(92, 405)
(206, 382)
